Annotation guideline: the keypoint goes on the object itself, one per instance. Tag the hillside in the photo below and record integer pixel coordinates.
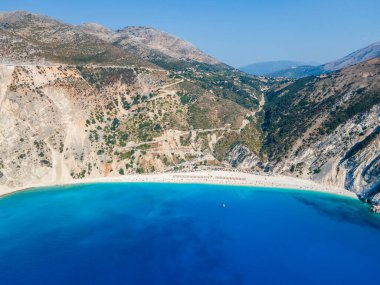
(76, 105)
(36, 39)
(358, 56)
(150, 43)
(298, 72)
(327, 128)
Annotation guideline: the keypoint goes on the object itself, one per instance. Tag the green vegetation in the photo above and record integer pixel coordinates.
(100, 77)
(185, 140)
(224, 145)
(115, 124)
(316, 171)
(199, 118)
(358, 105)
(61, 146)
(288, 114)
(291, 111)
(45, 162)
(251, 137)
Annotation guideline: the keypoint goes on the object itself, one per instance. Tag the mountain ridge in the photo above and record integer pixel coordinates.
(150, 42)
(363, 54)
(128, 42)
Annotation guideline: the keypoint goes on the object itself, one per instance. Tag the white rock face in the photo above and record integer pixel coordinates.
(328, 154)
(329, 129)
(242, 158)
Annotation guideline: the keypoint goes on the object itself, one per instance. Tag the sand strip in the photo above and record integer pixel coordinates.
(204, 177)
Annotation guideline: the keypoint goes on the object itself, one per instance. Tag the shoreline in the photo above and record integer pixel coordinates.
(213, 177)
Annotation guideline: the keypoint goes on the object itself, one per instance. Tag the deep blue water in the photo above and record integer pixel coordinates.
(181, 234)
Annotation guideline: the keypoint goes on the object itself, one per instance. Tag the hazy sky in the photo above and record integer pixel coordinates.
(237, 32)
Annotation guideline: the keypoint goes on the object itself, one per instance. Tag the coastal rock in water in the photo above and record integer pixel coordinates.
(375, 209)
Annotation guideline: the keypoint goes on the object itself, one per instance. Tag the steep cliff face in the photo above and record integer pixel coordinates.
(327, 128)
(243, 158)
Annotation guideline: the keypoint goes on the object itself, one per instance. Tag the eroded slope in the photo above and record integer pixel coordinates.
(327, 128)
(64, 122)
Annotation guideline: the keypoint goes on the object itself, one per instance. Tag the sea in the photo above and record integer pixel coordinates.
(157, 233)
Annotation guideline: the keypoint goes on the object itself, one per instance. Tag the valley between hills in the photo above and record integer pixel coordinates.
(82, 102)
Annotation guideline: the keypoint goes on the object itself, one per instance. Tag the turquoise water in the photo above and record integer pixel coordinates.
(182, 234)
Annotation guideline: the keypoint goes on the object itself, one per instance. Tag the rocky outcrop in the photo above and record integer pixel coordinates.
(242, 158)
(375, 209)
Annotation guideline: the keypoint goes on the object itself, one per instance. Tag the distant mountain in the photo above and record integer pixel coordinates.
(356, 57)
(268, 67)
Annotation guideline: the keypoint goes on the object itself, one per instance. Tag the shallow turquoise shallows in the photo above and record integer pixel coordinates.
(156, 234)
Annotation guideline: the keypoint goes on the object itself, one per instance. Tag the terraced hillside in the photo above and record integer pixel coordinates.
(63, 122)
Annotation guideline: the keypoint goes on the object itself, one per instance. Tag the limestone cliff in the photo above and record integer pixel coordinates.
(327, 128)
